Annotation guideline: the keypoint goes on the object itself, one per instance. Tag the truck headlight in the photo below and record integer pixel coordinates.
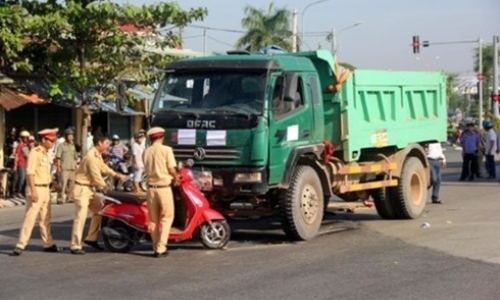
(248, 177)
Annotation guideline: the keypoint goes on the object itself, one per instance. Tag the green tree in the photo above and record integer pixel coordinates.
(264, 28)
(81, 45)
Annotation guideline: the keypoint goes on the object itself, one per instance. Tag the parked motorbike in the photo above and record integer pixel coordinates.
(121, 166)
(125, 221)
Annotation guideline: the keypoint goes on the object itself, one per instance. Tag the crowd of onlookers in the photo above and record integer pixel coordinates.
(479, 148)
(20, 141)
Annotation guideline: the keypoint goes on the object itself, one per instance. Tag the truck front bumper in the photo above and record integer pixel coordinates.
(236, 181)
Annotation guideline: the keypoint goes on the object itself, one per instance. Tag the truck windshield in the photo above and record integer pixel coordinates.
(225, 92)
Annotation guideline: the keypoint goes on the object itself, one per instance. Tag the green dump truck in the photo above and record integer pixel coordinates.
(281, 134)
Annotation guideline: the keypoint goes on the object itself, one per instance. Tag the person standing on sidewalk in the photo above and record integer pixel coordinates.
(66, 165)
(20, 157)
(490, 149)
(159, 165)
(38, 204)
(437, 161)
(470, 146)
(481, 163)
(137, 161)
(87, 178)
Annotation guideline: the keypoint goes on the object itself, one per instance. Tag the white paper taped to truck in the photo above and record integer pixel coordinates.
(292, 133)
(186, 137)
(216, 138)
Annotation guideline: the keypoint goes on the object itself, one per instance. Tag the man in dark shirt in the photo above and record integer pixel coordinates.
(470, 145)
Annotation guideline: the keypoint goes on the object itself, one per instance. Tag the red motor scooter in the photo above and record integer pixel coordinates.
(125, 219)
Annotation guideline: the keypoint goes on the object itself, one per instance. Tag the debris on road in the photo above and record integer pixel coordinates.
(425, 225)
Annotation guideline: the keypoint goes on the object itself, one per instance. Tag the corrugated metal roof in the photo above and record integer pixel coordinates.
(10, 99)
(36, 91)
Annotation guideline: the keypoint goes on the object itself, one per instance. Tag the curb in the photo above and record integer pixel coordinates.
(13, 202)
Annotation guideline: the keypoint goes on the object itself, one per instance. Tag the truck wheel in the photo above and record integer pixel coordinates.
(410, 196)
(383, 203)
(302, 205)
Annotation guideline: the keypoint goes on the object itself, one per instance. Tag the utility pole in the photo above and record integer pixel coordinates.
(496, 113)
(181, 31)
(332, 41)
(294, 31)
(204, 42)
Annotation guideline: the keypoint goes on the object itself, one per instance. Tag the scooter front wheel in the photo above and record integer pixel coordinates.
(215, 235)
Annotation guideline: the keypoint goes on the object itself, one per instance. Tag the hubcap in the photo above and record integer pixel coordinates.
(309, 202)
(214, 234)
(416, 188)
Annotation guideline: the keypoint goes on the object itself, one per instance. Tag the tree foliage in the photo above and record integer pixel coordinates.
(265, 28)
(80, 44)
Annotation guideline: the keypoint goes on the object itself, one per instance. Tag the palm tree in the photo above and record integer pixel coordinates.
(265, 28)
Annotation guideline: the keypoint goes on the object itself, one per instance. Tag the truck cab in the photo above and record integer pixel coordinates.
(240, 118)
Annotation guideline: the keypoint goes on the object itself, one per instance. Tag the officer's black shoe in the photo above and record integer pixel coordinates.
(93, 244)
(52, 248)
(77, 251)
(17, 251)
(163, 254)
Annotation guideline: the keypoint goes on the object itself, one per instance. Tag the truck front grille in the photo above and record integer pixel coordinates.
(207, 154)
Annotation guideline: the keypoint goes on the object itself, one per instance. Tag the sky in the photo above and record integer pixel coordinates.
(381, 41)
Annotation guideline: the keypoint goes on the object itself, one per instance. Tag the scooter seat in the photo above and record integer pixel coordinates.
(127, 197)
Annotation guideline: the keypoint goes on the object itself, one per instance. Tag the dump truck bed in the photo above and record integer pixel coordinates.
(388, 108)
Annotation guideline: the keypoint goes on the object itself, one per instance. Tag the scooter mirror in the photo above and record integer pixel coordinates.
(189, 163)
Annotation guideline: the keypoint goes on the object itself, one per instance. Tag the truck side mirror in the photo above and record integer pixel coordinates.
(121, 97)
(290, 88)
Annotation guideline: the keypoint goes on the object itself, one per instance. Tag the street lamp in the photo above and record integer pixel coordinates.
(335, 45)
(302, 16)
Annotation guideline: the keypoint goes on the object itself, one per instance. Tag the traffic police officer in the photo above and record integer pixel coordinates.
(87, 178)
(38, 204)
(159, 166)
(66, 164)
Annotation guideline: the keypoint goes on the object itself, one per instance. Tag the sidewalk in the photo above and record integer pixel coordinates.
(13, 202)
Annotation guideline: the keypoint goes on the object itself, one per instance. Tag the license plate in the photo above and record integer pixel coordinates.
(203, 180)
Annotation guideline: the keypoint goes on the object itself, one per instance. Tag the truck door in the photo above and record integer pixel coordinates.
(290, 126)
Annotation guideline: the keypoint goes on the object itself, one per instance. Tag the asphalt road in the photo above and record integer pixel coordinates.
(359, 257)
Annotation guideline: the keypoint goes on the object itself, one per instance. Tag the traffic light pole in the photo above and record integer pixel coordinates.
(480, 92)
(496, 39)
(480, 71)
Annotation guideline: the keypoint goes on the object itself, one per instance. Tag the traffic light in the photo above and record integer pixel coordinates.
(416, 44)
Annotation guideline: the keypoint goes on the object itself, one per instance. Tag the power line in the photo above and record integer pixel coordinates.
(217, 29)
(193, 36)
(219, 41)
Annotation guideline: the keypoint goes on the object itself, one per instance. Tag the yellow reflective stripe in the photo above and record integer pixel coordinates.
(373, 168)
(368, 185)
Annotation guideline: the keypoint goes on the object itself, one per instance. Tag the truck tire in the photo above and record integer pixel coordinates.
(383, 203)
(410, 195)
(302, 205)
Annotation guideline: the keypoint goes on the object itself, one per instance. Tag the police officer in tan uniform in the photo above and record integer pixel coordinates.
(38, 204)
(66, 165)
(87, 178)
(159, 166)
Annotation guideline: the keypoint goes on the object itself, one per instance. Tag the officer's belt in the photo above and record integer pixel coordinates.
(159, 186)
(84, 184)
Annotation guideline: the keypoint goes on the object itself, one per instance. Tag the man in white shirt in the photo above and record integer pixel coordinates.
(137, 161)
(490, 149)
(143, 143)
(437, 161)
